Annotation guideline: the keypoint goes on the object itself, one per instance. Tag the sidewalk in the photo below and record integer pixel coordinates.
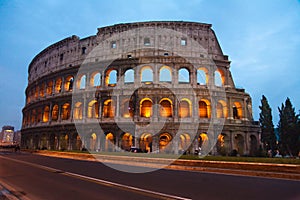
(269, 170)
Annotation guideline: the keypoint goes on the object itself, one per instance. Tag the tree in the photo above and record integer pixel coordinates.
(288, 127)
(268, 137)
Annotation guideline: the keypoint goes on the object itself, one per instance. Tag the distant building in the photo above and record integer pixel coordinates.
(8, 135)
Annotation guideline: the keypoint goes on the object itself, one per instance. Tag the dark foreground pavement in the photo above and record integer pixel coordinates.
(38, 177)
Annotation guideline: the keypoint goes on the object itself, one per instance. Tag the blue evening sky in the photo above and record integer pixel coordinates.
(262, 39)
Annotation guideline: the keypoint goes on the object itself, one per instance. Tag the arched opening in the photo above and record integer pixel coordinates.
(127, 108)
(221, 109)
(65, 115)
(165, 74)
(126, 141)
(33, 116)
(185, 108)
(146, 108)
(109, 109)
(237, 110)
(147, 75)
(146, 142)
(204, 108)
(109, 142)
(223, 144)
(253, 145)
(203, 143)
(93, 109)
(49, 87)
(78, 110)
(185, 142)
(111, 78)
(81, 84)
(42, 90)
(183, 75)
(202, 76)
(36, 93)
(239, 144)
(129, 76)
(93, 142)
(46, 114)
(69, 83)
(63, 142)
(55, 113)
(95, 80)
(58, 84)
(165, 108)
(164, 140)
(39, 115)
(219, 78)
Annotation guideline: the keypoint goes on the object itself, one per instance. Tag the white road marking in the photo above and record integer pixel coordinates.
(101, 181)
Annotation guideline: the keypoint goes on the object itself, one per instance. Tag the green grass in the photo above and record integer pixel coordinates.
(195, 157)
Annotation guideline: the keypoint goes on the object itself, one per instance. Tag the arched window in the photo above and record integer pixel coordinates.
(46, 114)
(129, 76)
(202, 76)
(58, 84)
(165, 74)
(146, 142)
(237, 110)
(109, 109)
(184, 109)
(65, 114)
(183, 75)
(126, 141)
(203, 141)
(78, 111)
(82, 83)
(111, 78)
(147, 75)
(95, 79)
(221, 109)
(93, 109)
(127, 108)
(218, 79)
(42, 90)
(49, 87)
(165, 108)
(164, 140)
(55, 113)
(146, 108)
(69, 83)
(204, 109)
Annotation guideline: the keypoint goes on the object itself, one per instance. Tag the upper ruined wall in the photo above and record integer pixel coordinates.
(72, 51)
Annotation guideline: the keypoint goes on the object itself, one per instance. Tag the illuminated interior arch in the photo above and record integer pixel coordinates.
(183, 75)
(111, 77)
(42, 90)
(46, 114)
(223, 144)
(65, 114)
(95, 80)
(109, 142)
(147, 74)
(109, 109)
(58, 84)
(222, 109)
(166, 108)
(78, 110)
(49, 87)
(146, 107)
(146, 142)
(129, 76)
(93, 141)
(127, 139)
(69, 83)
(164, 140)
(237, 110)
(55, 113)
(204, 108)
(185, 108)
(165, 74)
(185, 141)
(93, 109)
(203, 142)
(202, 76)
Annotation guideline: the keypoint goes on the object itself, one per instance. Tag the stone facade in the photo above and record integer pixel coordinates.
(139, 84)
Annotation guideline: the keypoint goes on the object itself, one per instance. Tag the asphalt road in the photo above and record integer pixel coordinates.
(39, 177)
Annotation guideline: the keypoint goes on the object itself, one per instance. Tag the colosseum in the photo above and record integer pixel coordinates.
(161, 87)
